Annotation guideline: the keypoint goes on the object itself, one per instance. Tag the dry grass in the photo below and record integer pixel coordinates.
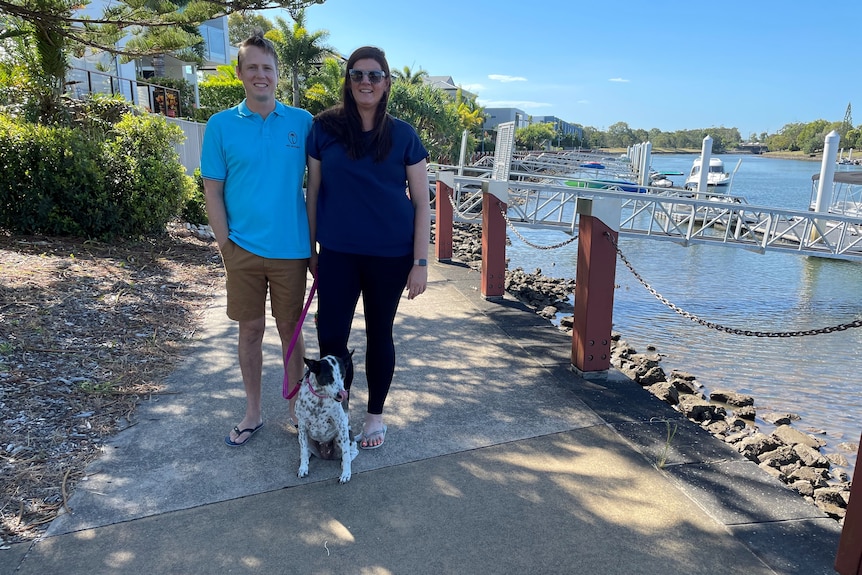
(87, 331)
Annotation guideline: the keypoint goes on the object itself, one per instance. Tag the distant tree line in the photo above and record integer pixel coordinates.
(810, 137)
(620, 135)
(806, 137)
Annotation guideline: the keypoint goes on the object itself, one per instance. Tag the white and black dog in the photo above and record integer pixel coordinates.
(320, 414)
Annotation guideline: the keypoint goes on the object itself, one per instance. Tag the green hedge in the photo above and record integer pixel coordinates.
(51, 181)
(221, 95)
(65, 181)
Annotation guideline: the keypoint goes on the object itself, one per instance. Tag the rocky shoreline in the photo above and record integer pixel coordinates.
(788, 454)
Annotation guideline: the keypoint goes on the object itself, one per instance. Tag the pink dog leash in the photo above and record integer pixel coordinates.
(285, 385)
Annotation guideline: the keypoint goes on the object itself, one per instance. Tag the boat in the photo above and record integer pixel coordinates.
(846, 193)
(846, 160)
(662, 179)
(607, 184)
(716, 177)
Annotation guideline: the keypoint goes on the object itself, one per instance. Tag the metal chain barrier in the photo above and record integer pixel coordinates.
(528, 242)
(457, 212)
(731, 330)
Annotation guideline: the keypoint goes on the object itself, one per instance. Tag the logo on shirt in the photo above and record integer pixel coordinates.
(293, 139)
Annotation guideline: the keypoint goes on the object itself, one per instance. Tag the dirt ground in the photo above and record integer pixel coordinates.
(87, 331)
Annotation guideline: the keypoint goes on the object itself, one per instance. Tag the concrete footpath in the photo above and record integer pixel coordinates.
(499, 459)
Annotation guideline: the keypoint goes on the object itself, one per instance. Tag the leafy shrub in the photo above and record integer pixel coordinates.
(52, 181)
(97, 113)
(194, 209)
(221, 94)
(71, 181)
(203, 115)
(151, 182)
(217, 94)
(109, 108)
(13, 80)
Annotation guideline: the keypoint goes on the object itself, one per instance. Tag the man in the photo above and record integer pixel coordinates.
(253, 162)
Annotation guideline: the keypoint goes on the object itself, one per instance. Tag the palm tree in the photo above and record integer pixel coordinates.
(472, 114)
(299, 51)
(226, 72)
(409, 76)
(325, 88)
(433, 114)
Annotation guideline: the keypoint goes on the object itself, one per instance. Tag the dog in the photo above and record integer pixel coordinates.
(320, 414)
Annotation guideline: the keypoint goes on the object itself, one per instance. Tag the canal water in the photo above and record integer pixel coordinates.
(817, 377)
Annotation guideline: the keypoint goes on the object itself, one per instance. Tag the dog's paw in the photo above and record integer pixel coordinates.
(345, 476)
(303, 471)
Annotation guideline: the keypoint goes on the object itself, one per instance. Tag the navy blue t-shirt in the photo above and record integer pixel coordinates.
(362, 206)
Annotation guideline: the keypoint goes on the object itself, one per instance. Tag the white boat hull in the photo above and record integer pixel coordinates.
(716, 177)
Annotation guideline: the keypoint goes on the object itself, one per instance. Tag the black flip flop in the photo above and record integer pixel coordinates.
(252, 430)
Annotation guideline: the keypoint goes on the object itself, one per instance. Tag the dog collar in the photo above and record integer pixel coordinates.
(311, 389)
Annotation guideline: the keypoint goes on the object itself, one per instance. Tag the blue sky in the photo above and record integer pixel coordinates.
(756, 65)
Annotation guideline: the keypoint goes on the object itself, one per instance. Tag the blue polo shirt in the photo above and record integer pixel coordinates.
(262, 164)
(362, 206)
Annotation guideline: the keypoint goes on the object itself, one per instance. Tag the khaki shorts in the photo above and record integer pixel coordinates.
(249, 276)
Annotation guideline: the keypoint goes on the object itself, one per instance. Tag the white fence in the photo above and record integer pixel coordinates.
(190, 150)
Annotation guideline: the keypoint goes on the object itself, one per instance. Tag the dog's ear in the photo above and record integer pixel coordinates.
(346, 361)
(313, 365)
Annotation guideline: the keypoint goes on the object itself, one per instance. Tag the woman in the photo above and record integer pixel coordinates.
(373, 236)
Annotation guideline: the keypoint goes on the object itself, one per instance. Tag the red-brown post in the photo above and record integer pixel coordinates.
(594, 284)
(849, 558)
(494, 205)
(444, 216)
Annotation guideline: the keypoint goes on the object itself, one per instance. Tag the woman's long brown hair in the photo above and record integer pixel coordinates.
(344, 122)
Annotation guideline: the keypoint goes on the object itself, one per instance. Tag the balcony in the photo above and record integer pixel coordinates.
(156, 99)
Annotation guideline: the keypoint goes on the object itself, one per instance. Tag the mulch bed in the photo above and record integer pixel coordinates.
(87, 331)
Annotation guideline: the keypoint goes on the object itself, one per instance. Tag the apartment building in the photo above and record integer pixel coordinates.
(106, 73)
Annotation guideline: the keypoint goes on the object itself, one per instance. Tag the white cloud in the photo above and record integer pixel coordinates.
(475, 88)
(505, 78)
(622, 80)
(583, 102)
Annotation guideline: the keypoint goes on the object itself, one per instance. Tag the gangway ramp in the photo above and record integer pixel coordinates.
(675, 215)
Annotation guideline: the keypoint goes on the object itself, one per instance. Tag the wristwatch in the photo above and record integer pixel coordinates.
(420, 262)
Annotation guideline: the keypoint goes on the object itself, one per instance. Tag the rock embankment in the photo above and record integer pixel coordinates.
(769, 439)
(791, 456)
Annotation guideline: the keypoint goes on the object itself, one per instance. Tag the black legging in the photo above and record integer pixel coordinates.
(341, 277)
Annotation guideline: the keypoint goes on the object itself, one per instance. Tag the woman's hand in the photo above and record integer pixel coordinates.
(417, 281)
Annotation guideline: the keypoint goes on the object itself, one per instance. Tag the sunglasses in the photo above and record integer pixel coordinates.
(374, 76)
